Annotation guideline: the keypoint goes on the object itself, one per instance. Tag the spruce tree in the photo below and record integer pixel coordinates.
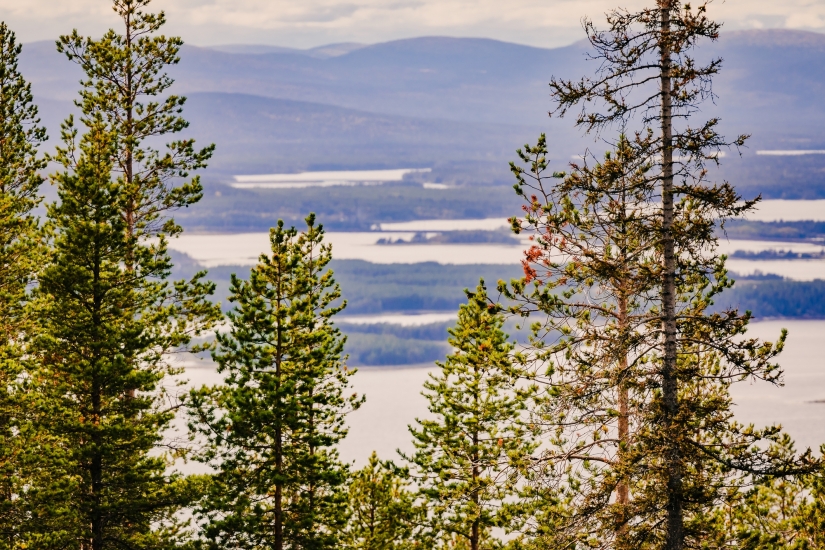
(273, 425)
(650, 85)
(382, 513)
(467, 457)
(20, 250)
(104, 333)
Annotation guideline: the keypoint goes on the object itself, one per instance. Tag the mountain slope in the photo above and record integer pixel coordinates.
(262, 135)
(437, 100)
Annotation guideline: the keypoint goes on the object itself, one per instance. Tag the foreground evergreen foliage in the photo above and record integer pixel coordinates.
(611, 427)
(468, 456)
(108, 321)
(126, 85)
(383, 512)
(272, 428)
(102, 337)
(623, 269)
(20, 252)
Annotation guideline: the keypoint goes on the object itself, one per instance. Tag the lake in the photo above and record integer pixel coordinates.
(244, 249)
(394, 400)
(789, 211)
(213, 250)
(323, 179)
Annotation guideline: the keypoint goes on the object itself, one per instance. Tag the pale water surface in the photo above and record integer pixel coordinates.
(775, 210)
(728, 246)
(323, 179)
(405, 320)
(485, 224)
(394, 395)
(800, 270)
(244, 248)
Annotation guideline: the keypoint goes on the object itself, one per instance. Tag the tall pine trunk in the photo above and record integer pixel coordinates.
(673, 463)
(623, 490)
(278, 505)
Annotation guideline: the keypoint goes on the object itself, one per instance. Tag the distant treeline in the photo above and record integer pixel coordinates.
(779, 298)
(774, 231)
(397, 288)
(357, 208)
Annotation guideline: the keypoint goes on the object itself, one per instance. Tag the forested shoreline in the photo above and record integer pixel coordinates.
(604, 421)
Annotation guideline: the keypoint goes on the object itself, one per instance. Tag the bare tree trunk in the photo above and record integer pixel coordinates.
(96, 463)
(128, 166)
(623, 489)
(474, 534)
(279, 451)
(675, 521)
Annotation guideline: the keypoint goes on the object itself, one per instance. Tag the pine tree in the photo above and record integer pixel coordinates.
(777, 513)
(589, 272)
(592, 276)
(20, 136)
(467, 457)
(649, 84)
(104, 334)
(126, 84)
(382, 513)
(108, 319)
(273, 425)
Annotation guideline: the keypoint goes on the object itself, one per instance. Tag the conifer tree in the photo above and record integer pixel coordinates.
(467, 456)
(777, 513)
(126, 84)
(20, 136)
(382, 513)
(590, 274)
(104, 334)
(590, 268)
(108, 319)
(649, 83)
(273, 425)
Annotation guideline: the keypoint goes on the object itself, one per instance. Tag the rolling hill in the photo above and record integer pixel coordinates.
(460, 105)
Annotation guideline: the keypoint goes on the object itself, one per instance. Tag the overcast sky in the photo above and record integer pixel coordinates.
(307, 23)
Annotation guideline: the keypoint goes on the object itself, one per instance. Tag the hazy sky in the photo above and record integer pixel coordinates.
(306, 23)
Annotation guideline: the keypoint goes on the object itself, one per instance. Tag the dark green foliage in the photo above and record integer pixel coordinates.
(20, 253)
(777, 513)
(382, 511)
(643, 333)
(468, 454)
(774, 231)
(108, 318)
(593, 289)
(273, 426)
(344, 208)
(104, 334)
(772, 298)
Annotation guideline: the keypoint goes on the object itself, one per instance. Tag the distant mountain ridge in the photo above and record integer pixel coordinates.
(319, 52)
(460, 100)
